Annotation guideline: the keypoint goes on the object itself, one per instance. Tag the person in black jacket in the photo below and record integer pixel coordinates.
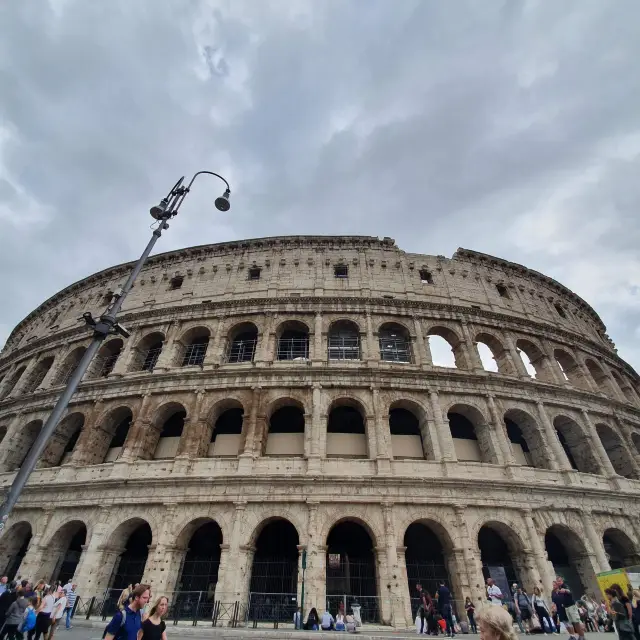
(6, 600)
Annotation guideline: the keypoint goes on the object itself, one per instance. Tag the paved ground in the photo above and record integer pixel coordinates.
(82, 632)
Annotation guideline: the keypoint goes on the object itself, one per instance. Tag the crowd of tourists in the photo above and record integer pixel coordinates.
(34, 611)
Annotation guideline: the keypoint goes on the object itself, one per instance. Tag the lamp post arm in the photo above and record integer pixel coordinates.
(183, 191)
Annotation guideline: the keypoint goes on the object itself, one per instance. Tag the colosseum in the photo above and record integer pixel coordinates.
(279, 406)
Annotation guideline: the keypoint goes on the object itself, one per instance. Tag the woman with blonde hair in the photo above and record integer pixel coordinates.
(495, 623)
(153, 628)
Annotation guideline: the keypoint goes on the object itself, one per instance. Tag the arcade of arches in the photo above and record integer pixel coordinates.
(237, 551)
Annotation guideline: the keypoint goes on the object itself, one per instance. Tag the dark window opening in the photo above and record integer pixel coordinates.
(563, 564)
(254, 273)
(120, 435)
(425, 276)
(132, 562)
(344, 343)
(69, 561)
(108, 297)
(560, 311)
(151, 357)
(341, 271)
(394, 346)
(173, 426)
(567, 449)
(403, 423)
(176, 282)
(287, 420)
(345, 420)
(461, 427)
(71, 443)
(195, 352)
(108, 357)
(201, 564)
(496, 557)
(293, 345)
(514, 433)
(229, 423)
(503, 291)
(243, 347)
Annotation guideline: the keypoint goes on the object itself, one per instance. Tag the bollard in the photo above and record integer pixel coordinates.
(90, 608)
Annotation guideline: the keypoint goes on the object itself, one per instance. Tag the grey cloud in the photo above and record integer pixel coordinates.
(507, 127)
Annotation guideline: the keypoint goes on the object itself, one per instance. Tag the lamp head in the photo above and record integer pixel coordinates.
(159, 211)
(222, 203)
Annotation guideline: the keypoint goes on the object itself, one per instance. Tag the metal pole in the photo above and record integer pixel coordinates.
(101, 330)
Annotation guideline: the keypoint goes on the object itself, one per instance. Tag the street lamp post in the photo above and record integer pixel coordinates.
(102, 327)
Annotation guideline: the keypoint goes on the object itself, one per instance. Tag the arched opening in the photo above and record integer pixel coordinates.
(344, 341)
(569, 558)
(13, 548)
(406, 438)
(3, 433)
(172, 427)
(106, 359)
(620, 549)
(635, 437)
(69, 365)
(193, 347)
(38, 374)
(576, 446)
(426, 560)
(60, 448)
(13, 381)
(242, 342)
(274, 572)
(293, 341)
(446, 348)
(132, 561)
(351, 570)
(286, 432)
(147, 351)
(122, 420)
(493, 355)
(346, 434)
(598, 375)
(226, 437)
(198, 577)
(20, 446)
(570, 369)
(66, 546)
(624, 387)
(616, 451)
(499, 552)
(395, 343)
(526, 439)
(470, 438)
(533, 360)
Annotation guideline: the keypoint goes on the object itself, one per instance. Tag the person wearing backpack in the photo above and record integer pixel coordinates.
(15, 613)
(29, 619)
(125, 624)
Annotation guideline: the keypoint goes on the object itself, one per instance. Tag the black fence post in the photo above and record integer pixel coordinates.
(197, 610)
(90, 608)
(214, 616)
(234, 623)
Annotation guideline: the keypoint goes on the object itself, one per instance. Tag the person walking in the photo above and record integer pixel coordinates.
(470, 608)
(636, 612)
(44, 610)
(29, 619)
(154, 627)
(622, 611)
(523, 609)
(566, 607)
(58, 611)
(15, 615)
(493, 592)
(72, 596)
(422, 607)
(542, 610)
(444, 607)
(127, 622)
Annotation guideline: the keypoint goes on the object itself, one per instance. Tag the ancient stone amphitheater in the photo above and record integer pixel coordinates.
(281, 398)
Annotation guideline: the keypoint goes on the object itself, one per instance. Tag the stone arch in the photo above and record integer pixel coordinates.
(242, 340)
(620, 549)
(347, 429)
(358, 516)
(64, 549)
(147, 351)
(13, 381)
(394, 340)
(409, 430)
(127, 552)
(533, 452)
(570, 369)
(19, 445)
(635, 437)
(616, 450)
(292, 339)
(497, 351)
(169, 420)
(569, 557)
(451, 340)
(62, 444)
(106, 359)
(38, 374)
(104, 440)
(69, 365)
(225, 428)
(285, 428)
(624, 386)
(535, 361)
(3, 432)
(471, 434)
(191, 347)
(577, 446)
(13, 547)
(598, 375)
(343, 340)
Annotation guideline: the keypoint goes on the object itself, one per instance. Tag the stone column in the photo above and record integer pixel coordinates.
(473, 357)
(382, 576)
(595, 542)
(229, 584)
(424, 354)
(472, 564)
(11, 442)
(515, 356)
(586, 376)
(392, 587)
(250, 433)
(545, 569)
(246, 553)
(124, 359)
(263, 355)
(317, 431)
(403, 579)
(215, 355)
(501, 443)
(372, 346)
(607, 468)
(194, 432)
(224, 568)
(554, 442)
(315, 577)
(317, 356)
(627, 439)
(445, 440)
(142, 433)
(554, 367)
(24, 379)
(168, 355)
(381, 443)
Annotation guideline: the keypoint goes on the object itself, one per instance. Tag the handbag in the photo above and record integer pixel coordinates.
(625, 625)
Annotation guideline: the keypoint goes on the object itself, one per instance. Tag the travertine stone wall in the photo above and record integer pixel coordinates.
(583, 398)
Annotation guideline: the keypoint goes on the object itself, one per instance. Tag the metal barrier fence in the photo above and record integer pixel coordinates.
(271, 607)
(369, 606)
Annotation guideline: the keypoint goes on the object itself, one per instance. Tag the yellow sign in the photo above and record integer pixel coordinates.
(607, 578)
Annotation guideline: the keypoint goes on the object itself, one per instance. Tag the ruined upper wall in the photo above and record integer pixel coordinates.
(304, 266)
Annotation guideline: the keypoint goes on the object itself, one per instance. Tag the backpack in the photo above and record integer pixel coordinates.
(30, 620)
(121, 634)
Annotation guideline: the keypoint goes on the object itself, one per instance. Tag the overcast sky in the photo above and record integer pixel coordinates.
(508, 127)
